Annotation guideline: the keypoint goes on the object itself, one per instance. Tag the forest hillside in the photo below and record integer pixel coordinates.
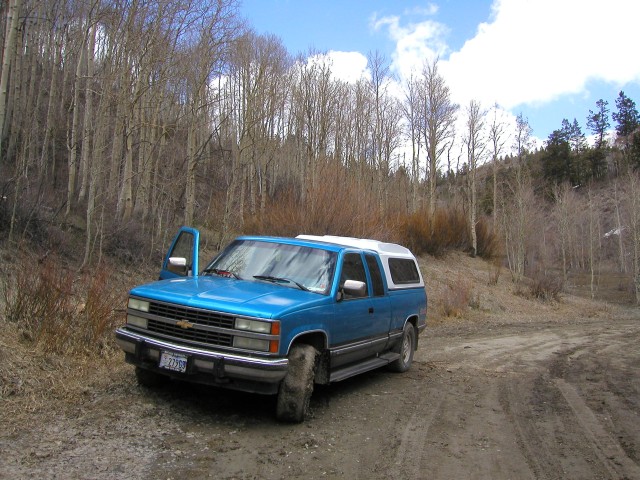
(121, 121)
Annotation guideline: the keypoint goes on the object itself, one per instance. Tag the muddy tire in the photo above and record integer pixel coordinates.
(296, 388)
(148, 378)
(406, 348)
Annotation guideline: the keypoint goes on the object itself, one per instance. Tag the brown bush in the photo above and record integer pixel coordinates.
(456, 298)
(334, 206)
(489, 242)
(447, 230)
(62, 312)
(545, 287)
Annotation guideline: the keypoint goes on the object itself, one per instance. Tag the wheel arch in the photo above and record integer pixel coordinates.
(315, 338)
(413, 320)
(318, 340)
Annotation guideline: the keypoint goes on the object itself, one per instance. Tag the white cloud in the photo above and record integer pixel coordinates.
(414, 42)
(345, 66)
(530, 52)
(348, 66)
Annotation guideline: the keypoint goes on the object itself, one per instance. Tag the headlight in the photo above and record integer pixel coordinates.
(251, 343)
(138, 304)
(136, 321)
(253, 325)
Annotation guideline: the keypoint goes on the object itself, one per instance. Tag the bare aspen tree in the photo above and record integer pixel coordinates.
(218, 28)
(362, 118)
(562, 212)
(517, 203)
(439, 114)
(593, 239)
(72, 167)
(386, 126)
(88, 113)
(314, 99)
(633, 217)
(475, 144)
(622, 264)
(411, 110)
(56, 49)
(10, 37)
(497, 139)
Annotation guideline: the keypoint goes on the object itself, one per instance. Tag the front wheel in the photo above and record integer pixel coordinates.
(297, 386)
(406, 349)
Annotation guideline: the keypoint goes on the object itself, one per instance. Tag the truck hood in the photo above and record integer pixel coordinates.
(237, 297)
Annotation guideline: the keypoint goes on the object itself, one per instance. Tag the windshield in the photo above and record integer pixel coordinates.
(288, 265)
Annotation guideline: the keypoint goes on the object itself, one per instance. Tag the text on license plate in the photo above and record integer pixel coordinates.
(173, 361)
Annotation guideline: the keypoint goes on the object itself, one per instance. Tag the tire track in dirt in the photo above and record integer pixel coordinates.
(407, 462)
(608, 450)
(534, 449)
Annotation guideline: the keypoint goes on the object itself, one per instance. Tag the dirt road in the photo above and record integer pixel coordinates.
(528, 400)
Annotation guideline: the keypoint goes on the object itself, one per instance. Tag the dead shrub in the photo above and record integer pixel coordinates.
(59, 311)
(101, 312)
(494, 271)
(545, 287)
(456, 298)
(40, 301)
(447, 230)
(489, 243)
(334, 206)
(127, 243)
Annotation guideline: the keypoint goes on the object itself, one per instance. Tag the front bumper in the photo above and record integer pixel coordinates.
(239, 372)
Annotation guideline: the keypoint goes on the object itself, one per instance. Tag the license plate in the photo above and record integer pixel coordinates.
(173, 361)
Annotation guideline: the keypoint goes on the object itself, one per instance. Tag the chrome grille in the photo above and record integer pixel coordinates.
(190, 334)
(197, 318)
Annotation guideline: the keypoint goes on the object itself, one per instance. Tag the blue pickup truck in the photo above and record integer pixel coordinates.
(276, 315)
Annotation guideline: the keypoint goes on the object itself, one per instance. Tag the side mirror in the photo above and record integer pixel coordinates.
(355, 288)
(177, 265)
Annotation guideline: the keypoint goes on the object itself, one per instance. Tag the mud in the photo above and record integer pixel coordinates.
(527, 400)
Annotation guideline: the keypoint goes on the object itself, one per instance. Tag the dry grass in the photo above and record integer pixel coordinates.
(471, 290)
(56, 335)
(35, 381)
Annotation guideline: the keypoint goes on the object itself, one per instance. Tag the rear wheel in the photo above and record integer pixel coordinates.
(406, 348)
(296, 388)
(148, 378)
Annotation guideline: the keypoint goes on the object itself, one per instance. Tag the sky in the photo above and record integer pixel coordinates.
(545, 59)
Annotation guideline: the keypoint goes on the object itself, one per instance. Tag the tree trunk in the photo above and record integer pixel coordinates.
(88, 115)
(73, 146)
(11, 34)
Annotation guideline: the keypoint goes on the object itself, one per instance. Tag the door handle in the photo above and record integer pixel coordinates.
(370, 309)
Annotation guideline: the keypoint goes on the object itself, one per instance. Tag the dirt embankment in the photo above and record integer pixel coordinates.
(515, 389)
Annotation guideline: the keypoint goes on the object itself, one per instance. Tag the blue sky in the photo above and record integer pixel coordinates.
(540, 58)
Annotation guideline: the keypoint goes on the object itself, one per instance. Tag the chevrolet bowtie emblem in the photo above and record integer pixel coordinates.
(184, 324)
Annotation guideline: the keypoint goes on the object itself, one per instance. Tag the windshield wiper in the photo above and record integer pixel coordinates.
(270, 278)
(221, 273)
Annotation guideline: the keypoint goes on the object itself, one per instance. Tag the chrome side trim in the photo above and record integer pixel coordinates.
(342, 350)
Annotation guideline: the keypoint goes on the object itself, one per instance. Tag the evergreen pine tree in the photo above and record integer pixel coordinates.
(598, 122)
(627, 116)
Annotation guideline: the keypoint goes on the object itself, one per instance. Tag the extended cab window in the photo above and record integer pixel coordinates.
(376, 275)
(352, 269)
(403, 271)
